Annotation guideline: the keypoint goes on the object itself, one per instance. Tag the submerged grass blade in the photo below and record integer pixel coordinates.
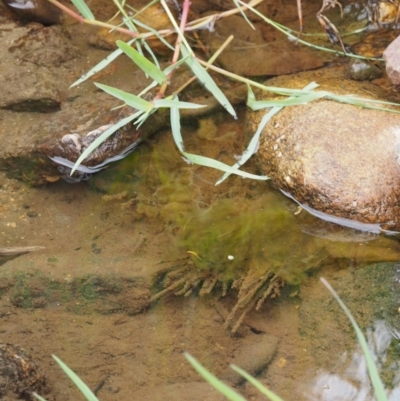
(372, 369)
(260, 387)
(220, 386)
(77, 380)
(288, 32)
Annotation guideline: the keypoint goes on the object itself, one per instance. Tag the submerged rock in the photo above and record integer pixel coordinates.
(335, 158)
(35, 11)
(19, 374)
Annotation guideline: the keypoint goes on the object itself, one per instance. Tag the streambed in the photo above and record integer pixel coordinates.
(116, 241)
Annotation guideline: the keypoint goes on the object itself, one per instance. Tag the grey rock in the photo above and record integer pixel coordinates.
(336, 159)
(363, 70)
(392, 59)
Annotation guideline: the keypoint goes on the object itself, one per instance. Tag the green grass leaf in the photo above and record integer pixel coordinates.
(98, 141)
(131, 100)
(40, 398)
(255, 140)
(260, 387)
(205, 78)
(221, 387)
(83, 9)
(176, 103)
(143, 63)
(372, 369)
(202, 160)
(77, 380)
(99, 66)
(291, 101)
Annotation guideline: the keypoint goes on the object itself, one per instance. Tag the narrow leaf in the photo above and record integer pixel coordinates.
(98, 141)
(243, 14)
(205, 78)
(292, 101)
(99, 66)
(175, 103)
(83, 9)
(202, 160)
(255, 140)
(208, 162)
(221, 387)
(131, 100)
(372, 369)
(40, 398)
(77, 380)
(142, 62)
(260, 387)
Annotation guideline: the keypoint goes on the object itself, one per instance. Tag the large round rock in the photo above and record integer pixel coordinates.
(336, 158)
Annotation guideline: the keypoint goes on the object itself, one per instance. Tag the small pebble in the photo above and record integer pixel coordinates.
(31, 214)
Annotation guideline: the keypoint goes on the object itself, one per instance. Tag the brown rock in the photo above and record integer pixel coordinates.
(335, 158)
(254, 355)
(243, 56)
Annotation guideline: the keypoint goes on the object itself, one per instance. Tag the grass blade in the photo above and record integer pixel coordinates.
(372, 369)
(83, 9)
(202, 160)
(205, 78)
(243, 14)
(260, 387)
(143, 63)
(255, 140)
(176, 103)
(98, 141)
(132, 100)
(291, 101)
(102, 64)
(40, 398)
(221, 387)
(77, 381)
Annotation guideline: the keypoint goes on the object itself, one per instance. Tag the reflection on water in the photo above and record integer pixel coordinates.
(350, 379)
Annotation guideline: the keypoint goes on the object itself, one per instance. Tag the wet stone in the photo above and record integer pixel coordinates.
(35, 53)
(392, 59)
(362, 70)
(254, 355)
(35, 10)
(243, 55)
(332, 157)
(19, 374)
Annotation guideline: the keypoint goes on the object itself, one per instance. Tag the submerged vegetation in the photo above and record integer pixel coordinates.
(232, 394)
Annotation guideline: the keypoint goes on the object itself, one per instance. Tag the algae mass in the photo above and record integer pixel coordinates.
(241, 234)
(234, 236)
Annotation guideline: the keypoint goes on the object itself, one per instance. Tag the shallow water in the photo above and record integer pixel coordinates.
(149, 259)
(119, 239)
